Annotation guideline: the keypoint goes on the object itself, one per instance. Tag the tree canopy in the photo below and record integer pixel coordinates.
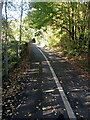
(68, 21)
(53, 24)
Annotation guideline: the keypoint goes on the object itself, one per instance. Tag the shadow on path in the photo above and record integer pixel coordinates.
(41, 98)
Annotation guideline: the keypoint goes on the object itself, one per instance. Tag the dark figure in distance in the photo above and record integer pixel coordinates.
(33, 40)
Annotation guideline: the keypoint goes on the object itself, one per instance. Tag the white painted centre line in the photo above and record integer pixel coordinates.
(61, 91)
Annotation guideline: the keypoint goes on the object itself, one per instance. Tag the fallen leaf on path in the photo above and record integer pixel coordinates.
(43, 108)
(30, 115)
(37, 107)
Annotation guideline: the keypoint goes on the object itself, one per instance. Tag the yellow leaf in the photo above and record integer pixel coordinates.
(30, 115)
(53, 99)
(8, 111)
(37, 107)
(44, 108)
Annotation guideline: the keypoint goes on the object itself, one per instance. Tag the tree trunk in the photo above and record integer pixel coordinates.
(17, 49)
(1, 4)
(21, 21)
(89, 35)
(69, 20)
(6, 42)
(72, 21)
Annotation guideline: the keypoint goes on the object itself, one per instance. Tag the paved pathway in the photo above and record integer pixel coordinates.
(41, 98)
(75, 85)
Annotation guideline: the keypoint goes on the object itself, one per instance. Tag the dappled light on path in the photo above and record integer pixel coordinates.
(75, 85)
(40, 96)
(37, 95)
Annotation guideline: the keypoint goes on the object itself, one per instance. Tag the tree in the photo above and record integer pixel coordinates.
(69, 19)
(6, 41)
(89, 34)
(21, 20)
(1, 5)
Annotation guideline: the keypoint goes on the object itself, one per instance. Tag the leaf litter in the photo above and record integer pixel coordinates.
(12, 88)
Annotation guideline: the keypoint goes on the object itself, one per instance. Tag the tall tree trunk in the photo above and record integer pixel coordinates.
(89, 35)
(72, 21)
(1, 4)
(21, 21)
(69, 20)
(75, 29)
(20, 39)
(6, 42)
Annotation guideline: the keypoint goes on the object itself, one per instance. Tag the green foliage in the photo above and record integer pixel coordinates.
(51, 23)
(67, 21)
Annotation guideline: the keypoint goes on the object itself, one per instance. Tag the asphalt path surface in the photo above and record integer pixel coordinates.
(42, 97)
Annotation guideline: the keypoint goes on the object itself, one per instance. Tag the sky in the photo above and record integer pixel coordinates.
(15, 13)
